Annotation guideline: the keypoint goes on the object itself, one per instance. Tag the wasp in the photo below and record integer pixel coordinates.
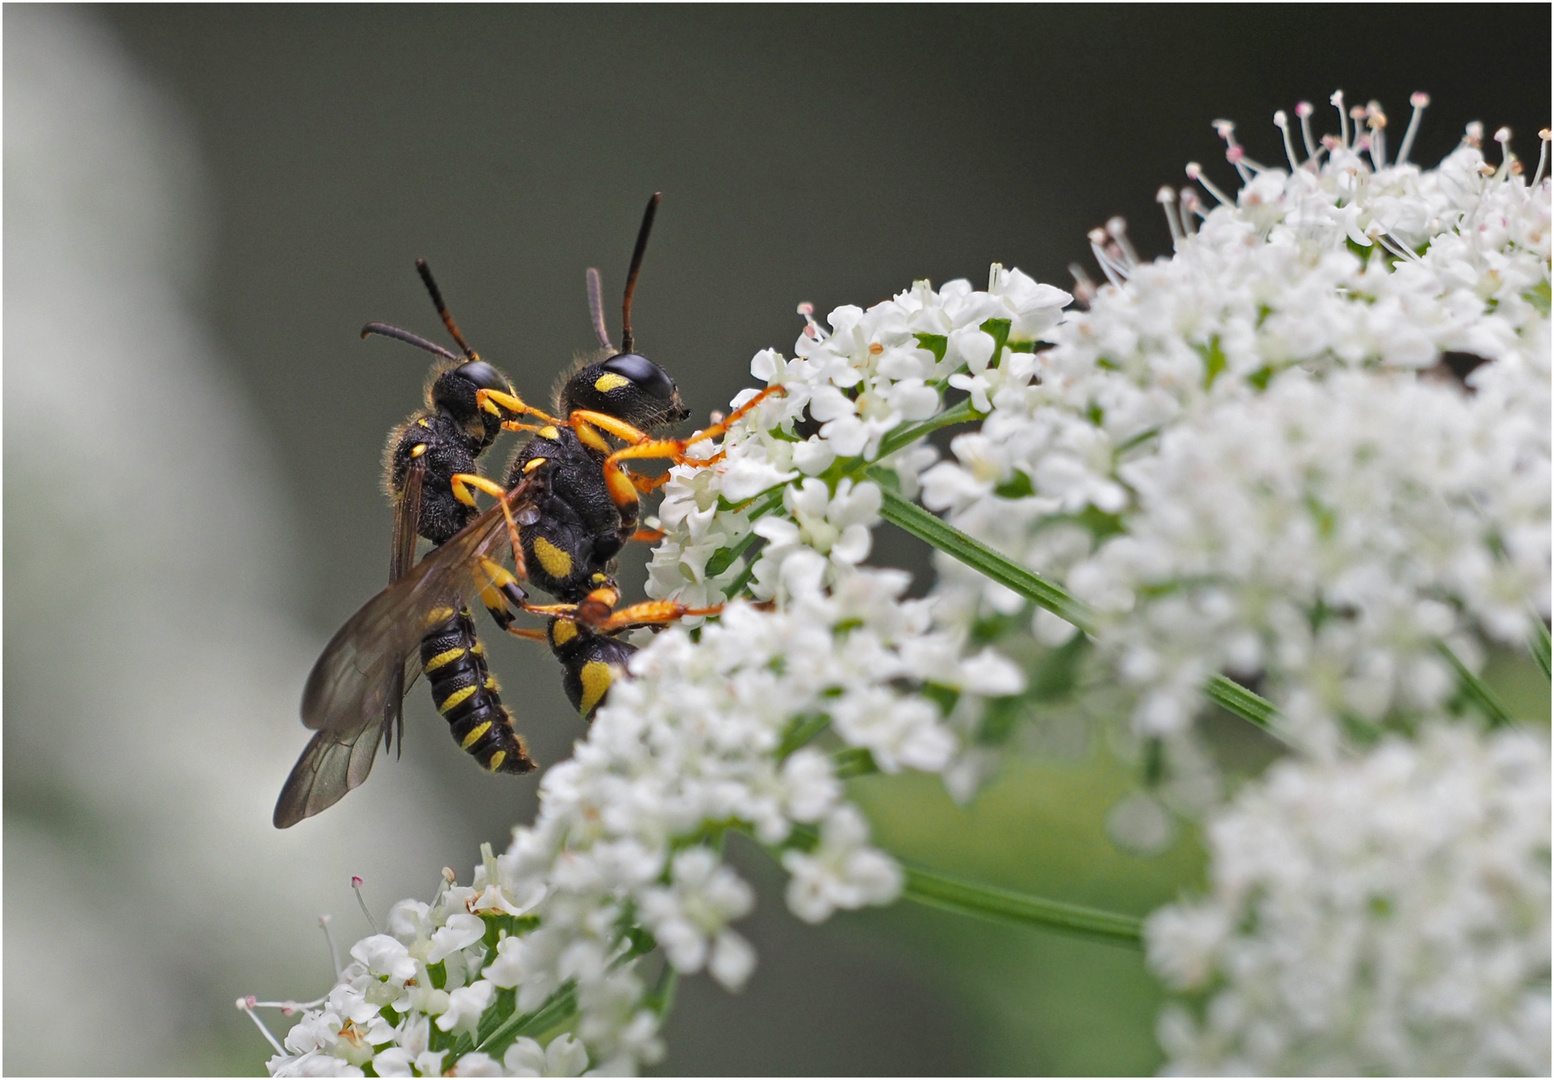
(567, 508)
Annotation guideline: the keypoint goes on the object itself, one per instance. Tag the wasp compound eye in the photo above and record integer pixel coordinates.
(643, 373)
(483, 375)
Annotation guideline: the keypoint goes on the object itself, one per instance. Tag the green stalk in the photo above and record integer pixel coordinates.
(1540, 646)
(560, 1007)
(907, 515)
(1004, 905)
(906, 436)
(935, 531)
(1474, 690)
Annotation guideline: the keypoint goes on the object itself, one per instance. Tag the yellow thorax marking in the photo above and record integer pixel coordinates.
(422, 422)
(563, 632)
(418, 449)
(549, 432)
(557, 563)
(533, 464)
(596, 677)
(474, 736)
(610, 381)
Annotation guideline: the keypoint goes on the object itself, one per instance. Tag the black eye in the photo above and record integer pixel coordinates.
(643, 373)
(483, 375)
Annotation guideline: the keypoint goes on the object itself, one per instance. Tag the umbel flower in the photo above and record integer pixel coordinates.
(1247, 461)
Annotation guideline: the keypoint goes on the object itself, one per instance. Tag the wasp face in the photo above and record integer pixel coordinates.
(454, 393)
(627, 386)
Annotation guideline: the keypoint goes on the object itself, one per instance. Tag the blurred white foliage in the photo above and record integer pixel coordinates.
(152, 663)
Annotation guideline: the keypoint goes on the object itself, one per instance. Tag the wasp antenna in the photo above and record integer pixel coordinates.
(596, 308)
(413, 339)
(442, 308)
(636, 268)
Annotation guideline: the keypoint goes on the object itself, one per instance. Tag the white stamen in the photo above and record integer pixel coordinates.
(1376, 120)
(247, 1005)
(1282, 122)
(1473, 134)
(1543, 156)
(334, 957)
(1304, 110)
(1337, 101)
(1418, 100)
(356, 887)
(1117, 229)
(1114, 273)
(1503, 137)
(1191, 206)
(1167, 200)
(1084, 287)
(1195, 172)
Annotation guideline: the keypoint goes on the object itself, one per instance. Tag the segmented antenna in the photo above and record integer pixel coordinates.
(442, 308)
(413, 339)
(636, 268)
(596, 308)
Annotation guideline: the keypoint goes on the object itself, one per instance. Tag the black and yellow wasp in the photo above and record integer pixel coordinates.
(567, 508)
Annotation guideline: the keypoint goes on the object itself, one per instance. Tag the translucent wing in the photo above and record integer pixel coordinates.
(407, 524)
(346, 697)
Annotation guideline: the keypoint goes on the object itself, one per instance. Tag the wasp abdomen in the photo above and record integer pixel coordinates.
(466, 693)
(589, 661)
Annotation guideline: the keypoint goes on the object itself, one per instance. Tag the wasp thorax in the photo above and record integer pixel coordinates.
(628, 386)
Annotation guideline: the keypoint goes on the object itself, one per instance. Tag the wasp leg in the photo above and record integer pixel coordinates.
(647, 536)
(494, 401)
(674, 449)
(462, 482)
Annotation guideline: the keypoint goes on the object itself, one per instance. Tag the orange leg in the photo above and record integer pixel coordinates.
(494, 401)
(674, 449)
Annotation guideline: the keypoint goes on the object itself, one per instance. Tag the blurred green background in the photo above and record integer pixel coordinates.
(203, 206)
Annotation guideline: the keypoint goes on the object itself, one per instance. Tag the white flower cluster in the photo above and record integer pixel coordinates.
(876, 371)
(694, 743)
(1232, 457)
(1387, 916)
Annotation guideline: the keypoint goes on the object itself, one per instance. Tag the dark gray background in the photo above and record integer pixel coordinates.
(823, 154)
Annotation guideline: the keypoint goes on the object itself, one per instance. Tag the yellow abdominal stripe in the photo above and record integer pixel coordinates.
(497, 759)
(557, 563)
(442, 659)
(610, 381)
(596, 677)
(455, 699)
(474, 736)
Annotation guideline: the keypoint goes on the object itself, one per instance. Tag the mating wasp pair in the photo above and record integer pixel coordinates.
(566, 508)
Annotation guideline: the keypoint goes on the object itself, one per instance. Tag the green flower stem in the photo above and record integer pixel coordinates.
(1004, 905)
(906, 436)
(1225, 693)
(1474, 689)
(853, 761)
(1540, 646)
(561, 1007)
(1000, 905)
(933, 530)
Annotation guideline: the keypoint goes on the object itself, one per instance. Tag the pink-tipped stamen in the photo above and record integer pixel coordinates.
(1337, 101)
(1167, 200)
(1114, 273)
(1303, 110)
(812, 328)
(1084, 288)
(1192, 207)
(1195, 172)
(1376, 121)
(1117, 229)
(361, 902)
(1503, 137)
(1281, 121)
(1543, 156)
(329, 940)
(1419, 99)
(247, 1005)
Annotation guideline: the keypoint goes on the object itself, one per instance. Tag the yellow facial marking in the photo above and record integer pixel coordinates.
(474, 736)
(497, 759)
(557, 563)
(418, 449)
(455, 699)
(442, 659)
(596, 677)
(563, 632)
(532, 465)
(610, 381)
(549, 432)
